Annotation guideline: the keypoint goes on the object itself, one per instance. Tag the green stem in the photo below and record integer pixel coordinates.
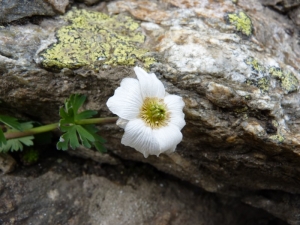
(97, 120)
(32, 131)
(53, 126)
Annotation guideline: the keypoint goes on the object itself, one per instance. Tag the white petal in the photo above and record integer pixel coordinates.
(127, 99)
(137, 135)
(175, 105)
(168, 138)
(122, 123)
(149, 84)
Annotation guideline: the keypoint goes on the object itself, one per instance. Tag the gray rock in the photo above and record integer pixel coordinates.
(59, 6)
(284, 205)
(235, 65)
(62, 196)
(91, 2)
(7, 163)
(295, 16)
(12, 10)
(282, 5)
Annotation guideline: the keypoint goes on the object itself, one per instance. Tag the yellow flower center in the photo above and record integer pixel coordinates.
(154, 112)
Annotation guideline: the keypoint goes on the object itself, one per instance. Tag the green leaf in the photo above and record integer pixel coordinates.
(2, 138)
(11, 122)
(75, 134)
(99, 141)
(63, 113)
(77, 101)
(25, 126)
(63, 142)
(16, 144)
(84, 134)
(69, 113)
(100, 147)
(85, 114)
(71, 138)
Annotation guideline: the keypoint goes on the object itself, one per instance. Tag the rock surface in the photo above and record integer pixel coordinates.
(12, 10)
(69, 193)
(235, 64)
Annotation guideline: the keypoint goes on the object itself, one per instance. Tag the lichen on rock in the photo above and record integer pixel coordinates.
(241, 21)
(288, 80)
(93, 39)
(255, 65)
(262, 75)
(259, 77)
(278, 138)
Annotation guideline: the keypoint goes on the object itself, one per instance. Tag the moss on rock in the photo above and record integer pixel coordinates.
(94, 39)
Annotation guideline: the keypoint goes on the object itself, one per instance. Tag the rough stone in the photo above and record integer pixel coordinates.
(64, 196)
(91, 2)
(241, 92)
(281, 5)
(59, 5)
(284, 205)
(7, 163)
(295, 16)
(12, 10)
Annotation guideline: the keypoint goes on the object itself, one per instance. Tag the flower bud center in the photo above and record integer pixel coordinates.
(154, 112)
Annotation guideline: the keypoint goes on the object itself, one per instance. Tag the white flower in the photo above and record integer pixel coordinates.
(152, 118)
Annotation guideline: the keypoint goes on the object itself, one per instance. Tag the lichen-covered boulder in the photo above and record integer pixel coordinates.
(93, 39)
(236, 67)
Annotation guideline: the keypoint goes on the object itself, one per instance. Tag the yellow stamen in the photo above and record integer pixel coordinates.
(154, 112)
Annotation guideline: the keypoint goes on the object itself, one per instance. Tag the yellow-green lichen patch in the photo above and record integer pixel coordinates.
(278, 138)
(263, 84)
(288, 80)
(241, 22)
(94, 39)
(259, 75)
(255, 65)
(276, 72)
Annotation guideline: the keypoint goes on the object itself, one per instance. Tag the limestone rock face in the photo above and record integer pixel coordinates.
(236, 65)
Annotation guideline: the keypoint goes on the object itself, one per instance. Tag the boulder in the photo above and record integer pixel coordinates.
(236, 65)
(13, 10)
(62, 190)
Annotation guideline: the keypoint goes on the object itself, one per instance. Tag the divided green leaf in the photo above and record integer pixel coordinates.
(11, 122)
(76, 134)
(17, 144)
(99, 141)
